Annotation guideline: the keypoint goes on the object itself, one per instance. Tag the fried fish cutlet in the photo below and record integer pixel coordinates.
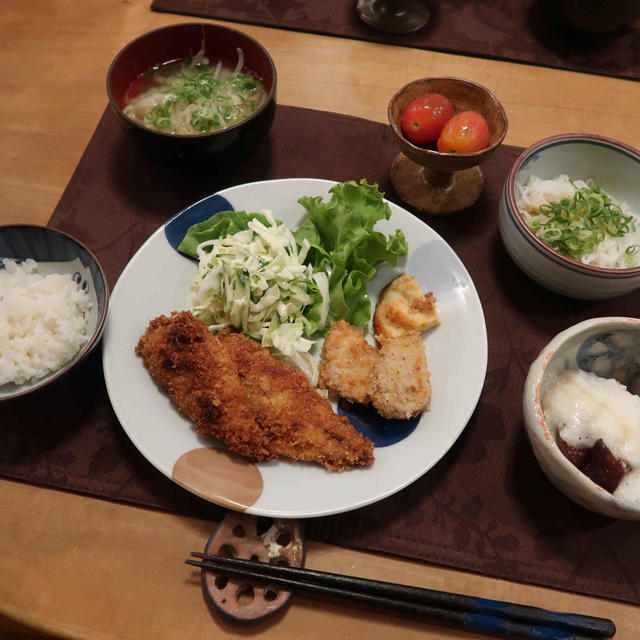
(201, 377)
(403, 307)
(299, 423)
(400, 378)
(347, 359)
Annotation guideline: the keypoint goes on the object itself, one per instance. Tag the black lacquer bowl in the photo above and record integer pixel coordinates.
(175, 42)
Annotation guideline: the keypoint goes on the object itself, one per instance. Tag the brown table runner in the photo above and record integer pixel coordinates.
(530, 31)
(485, 507)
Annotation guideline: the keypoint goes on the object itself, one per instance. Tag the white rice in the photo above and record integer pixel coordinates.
(611, 252)
(43, 321)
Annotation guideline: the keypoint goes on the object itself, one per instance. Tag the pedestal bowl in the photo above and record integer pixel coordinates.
(435, 182)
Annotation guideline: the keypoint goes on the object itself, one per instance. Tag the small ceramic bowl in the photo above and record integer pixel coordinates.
(176, 42)
(57, 252)
(608, 347)
(435, 182)
(615, 167)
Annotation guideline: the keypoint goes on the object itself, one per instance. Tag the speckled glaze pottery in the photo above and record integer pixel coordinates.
(615, 167)
(608, 347)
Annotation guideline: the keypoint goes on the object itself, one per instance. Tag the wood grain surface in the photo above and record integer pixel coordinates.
(81, 568)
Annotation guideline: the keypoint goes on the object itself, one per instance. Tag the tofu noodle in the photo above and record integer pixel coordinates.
(580, 221)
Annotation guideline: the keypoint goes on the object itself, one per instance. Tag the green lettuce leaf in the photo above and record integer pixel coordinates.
(344, 244)
(219, 225)
(227, 223)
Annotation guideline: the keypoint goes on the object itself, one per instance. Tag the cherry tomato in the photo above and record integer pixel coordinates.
(466, 132)
(424, 117)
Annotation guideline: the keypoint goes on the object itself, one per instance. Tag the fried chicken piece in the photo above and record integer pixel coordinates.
(201, 376)
(400, 378)
(403, 307)
(347, 360)
(298, 422)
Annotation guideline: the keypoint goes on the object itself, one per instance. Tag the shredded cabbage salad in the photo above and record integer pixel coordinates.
(280, 287)
(256, 280)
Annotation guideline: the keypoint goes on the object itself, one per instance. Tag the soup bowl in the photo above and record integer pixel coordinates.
(178, 42)
(612, 165)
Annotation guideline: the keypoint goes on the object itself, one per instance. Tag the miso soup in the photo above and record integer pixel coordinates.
(193, 96)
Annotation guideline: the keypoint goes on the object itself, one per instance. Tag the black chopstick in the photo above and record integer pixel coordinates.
(477, 614)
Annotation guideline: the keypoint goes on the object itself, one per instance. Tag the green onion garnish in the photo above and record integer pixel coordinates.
(192, 97)
(575, 226)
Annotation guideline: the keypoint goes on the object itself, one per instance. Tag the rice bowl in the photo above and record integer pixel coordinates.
(54, 334)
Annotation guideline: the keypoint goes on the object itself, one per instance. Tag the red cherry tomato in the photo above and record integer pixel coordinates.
(464, 133)
(424, 117)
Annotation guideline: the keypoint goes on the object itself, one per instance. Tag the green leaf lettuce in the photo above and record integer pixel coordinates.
(219, 225)
(344, 243)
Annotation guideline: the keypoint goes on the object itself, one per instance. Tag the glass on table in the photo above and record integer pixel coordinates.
(394, 16)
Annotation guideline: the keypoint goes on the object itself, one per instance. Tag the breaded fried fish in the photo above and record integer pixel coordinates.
(201, 377)
(347, 359)
(298, 422)
(233, 388)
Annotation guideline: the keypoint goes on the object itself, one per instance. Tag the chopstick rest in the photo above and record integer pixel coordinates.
(478, 614)
(244, 536)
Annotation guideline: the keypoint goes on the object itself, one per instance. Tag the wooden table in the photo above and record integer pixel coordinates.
(77, 567)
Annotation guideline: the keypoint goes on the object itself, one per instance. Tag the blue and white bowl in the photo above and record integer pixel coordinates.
(57, 252)
(615, 167)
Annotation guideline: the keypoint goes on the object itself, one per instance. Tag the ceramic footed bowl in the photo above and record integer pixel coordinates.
(608, 347)
(435, 182)
(612, 165)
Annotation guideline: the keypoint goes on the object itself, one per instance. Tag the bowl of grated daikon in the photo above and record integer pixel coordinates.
(581, 407)
(53, 305)
(570, 215)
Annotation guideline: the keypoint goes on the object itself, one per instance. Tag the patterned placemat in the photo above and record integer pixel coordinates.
(530, 31)
(485, 507)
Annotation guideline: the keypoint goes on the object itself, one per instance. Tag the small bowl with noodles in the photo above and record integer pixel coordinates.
(570, 215)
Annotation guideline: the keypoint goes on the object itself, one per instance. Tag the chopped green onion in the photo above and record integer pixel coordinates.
(192, 97)
(575, 226)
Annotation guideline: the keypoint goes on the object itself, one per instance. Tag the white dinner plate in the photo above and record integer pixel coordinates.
(157, 280)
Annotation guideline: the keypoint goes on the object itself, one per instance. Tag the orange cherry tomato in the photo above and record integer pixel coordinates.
(466, 132)
(424, 117)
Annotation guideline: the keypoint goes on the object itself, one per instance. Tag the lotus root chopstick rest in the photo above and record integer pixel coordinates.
(239, 535)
